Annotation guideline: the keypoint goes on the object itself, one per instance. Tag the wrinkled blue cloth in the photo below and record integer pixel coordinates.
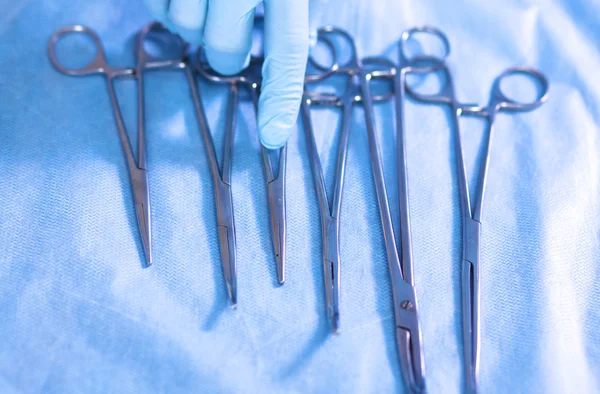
(80, 314)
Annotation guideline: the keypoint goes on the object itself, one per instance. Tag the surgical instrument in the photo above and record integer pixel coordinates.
(222, 185)
(330, 212)
(330, 223)
(409, 340)
(404, 297)
(137, 170)
(471, 218)
(221, 181)
(250, 79)
(223, 193)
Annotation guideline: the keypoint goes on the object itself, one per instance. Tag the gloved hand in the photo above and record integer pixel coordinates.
(224, 27)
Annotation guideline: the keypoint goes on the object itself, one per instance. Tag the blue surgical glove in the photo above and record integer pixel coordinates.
(224, 28)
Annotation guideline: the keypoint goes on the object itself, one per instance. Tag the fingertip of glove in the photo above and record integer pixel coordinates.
(273, 136)
(226, 63)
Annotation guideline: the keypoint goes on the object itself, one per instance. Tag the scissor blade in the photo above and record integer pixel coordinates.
(410, 360)
(227, 243)
(408, 332)
(141, 196)
(470, 300)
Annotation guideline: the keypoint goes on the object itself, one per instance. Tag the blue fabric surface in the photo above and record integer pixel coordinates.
(81, 314)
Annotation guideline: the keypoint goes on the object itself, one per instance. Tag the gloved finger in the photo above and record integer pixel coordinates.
(316, 9)
(228, 34)
(286, 52)
(189, 17)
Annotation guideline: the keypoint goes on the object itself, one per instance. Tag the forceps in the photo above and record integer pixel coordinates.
(330, 213)
(250, 79)
(471, 218)
(137, 170)
(330, 223)
(404, 297)
(222, 186)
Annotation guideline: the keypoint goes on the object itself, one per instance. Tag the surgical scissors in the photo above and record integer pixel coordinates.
(250, 79)
(471, 218)
(409, 335)
(404, 297)
(138, 171)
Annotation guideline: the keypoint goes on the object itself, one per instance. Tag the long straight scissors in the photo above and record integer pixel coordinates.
(137, 170)
(250, 79)
(404, 297)
(471, 218)
(409, 341)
